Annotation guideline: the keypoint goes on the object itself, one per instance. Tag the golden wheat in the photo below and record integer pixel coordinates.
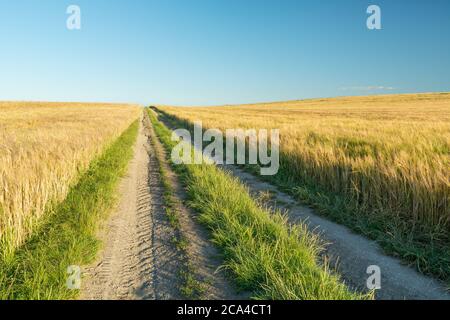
(388, 153)
(43, 148)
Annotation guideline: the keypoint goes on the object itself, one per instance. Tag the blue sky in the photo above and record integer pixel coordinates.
(195, 52)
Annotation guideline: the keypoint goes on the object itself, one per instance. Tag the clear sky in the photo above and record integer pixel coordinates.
(194, 52)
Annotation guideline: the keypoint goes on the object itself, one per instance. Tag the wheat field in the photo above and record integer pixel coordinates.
(43, 149)
(389, 154)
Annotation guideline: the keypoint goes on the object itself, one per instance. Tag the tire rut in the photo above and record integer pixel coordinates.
(138, 260)
(201, 254)
(351, 254)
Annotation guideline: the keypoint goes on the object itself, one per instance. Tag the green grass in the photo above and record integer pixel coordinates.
(264, 254)
(425, 248)
(38, 269)
(190, 286)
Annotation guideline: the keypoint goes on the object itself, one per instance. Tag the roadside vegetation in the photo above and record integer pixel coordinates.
(261, 251)
(379, 165)
(44, 148)
(67, 233)
(190, 288)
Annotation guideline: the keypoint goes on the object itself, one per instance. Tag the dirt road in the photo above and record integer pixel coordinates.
(350, 253)
(139, 259)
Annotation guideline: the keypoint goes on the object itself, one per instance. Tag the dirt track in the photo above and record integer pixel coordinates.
(349, 252)
(139, 259)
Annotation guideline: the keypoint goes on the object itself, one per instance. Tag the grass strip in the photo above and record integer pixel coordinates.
(190, 287)
(425, 248)
(265, 254)
(38, 270)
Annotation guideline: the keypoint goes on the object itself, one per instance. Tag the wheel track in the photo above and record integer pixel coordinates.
(350, 253)
(138, 260)
(201, 254)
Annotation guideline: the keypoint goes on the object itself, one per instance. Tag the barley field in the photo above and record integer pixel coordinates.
(43, 149)
(389, 156)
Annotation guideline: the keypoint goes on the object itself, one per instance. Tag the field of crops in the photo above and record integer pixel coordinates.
(378, 165)
(43, 149)
(388, 157)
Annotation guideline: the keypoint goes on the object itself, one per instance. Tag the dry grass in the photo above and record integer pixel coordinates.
(43, 149)
(388, 154)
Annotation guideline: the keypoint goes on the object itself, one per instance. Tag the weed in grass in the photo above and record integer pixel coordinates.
(191, 287)
(173, 218)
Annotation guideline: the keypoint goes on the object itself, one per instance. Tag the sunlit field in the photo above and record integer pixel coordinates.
(43, 149)
(387, 157)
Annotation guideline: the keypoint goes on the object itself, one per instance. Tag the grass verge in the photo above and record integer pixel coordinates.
(262, 251)
(425, 248)
(38, 270)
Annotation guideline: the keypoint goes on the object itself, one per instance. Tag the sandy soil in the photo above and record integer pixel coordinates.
(139, 260)
(201, 253)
